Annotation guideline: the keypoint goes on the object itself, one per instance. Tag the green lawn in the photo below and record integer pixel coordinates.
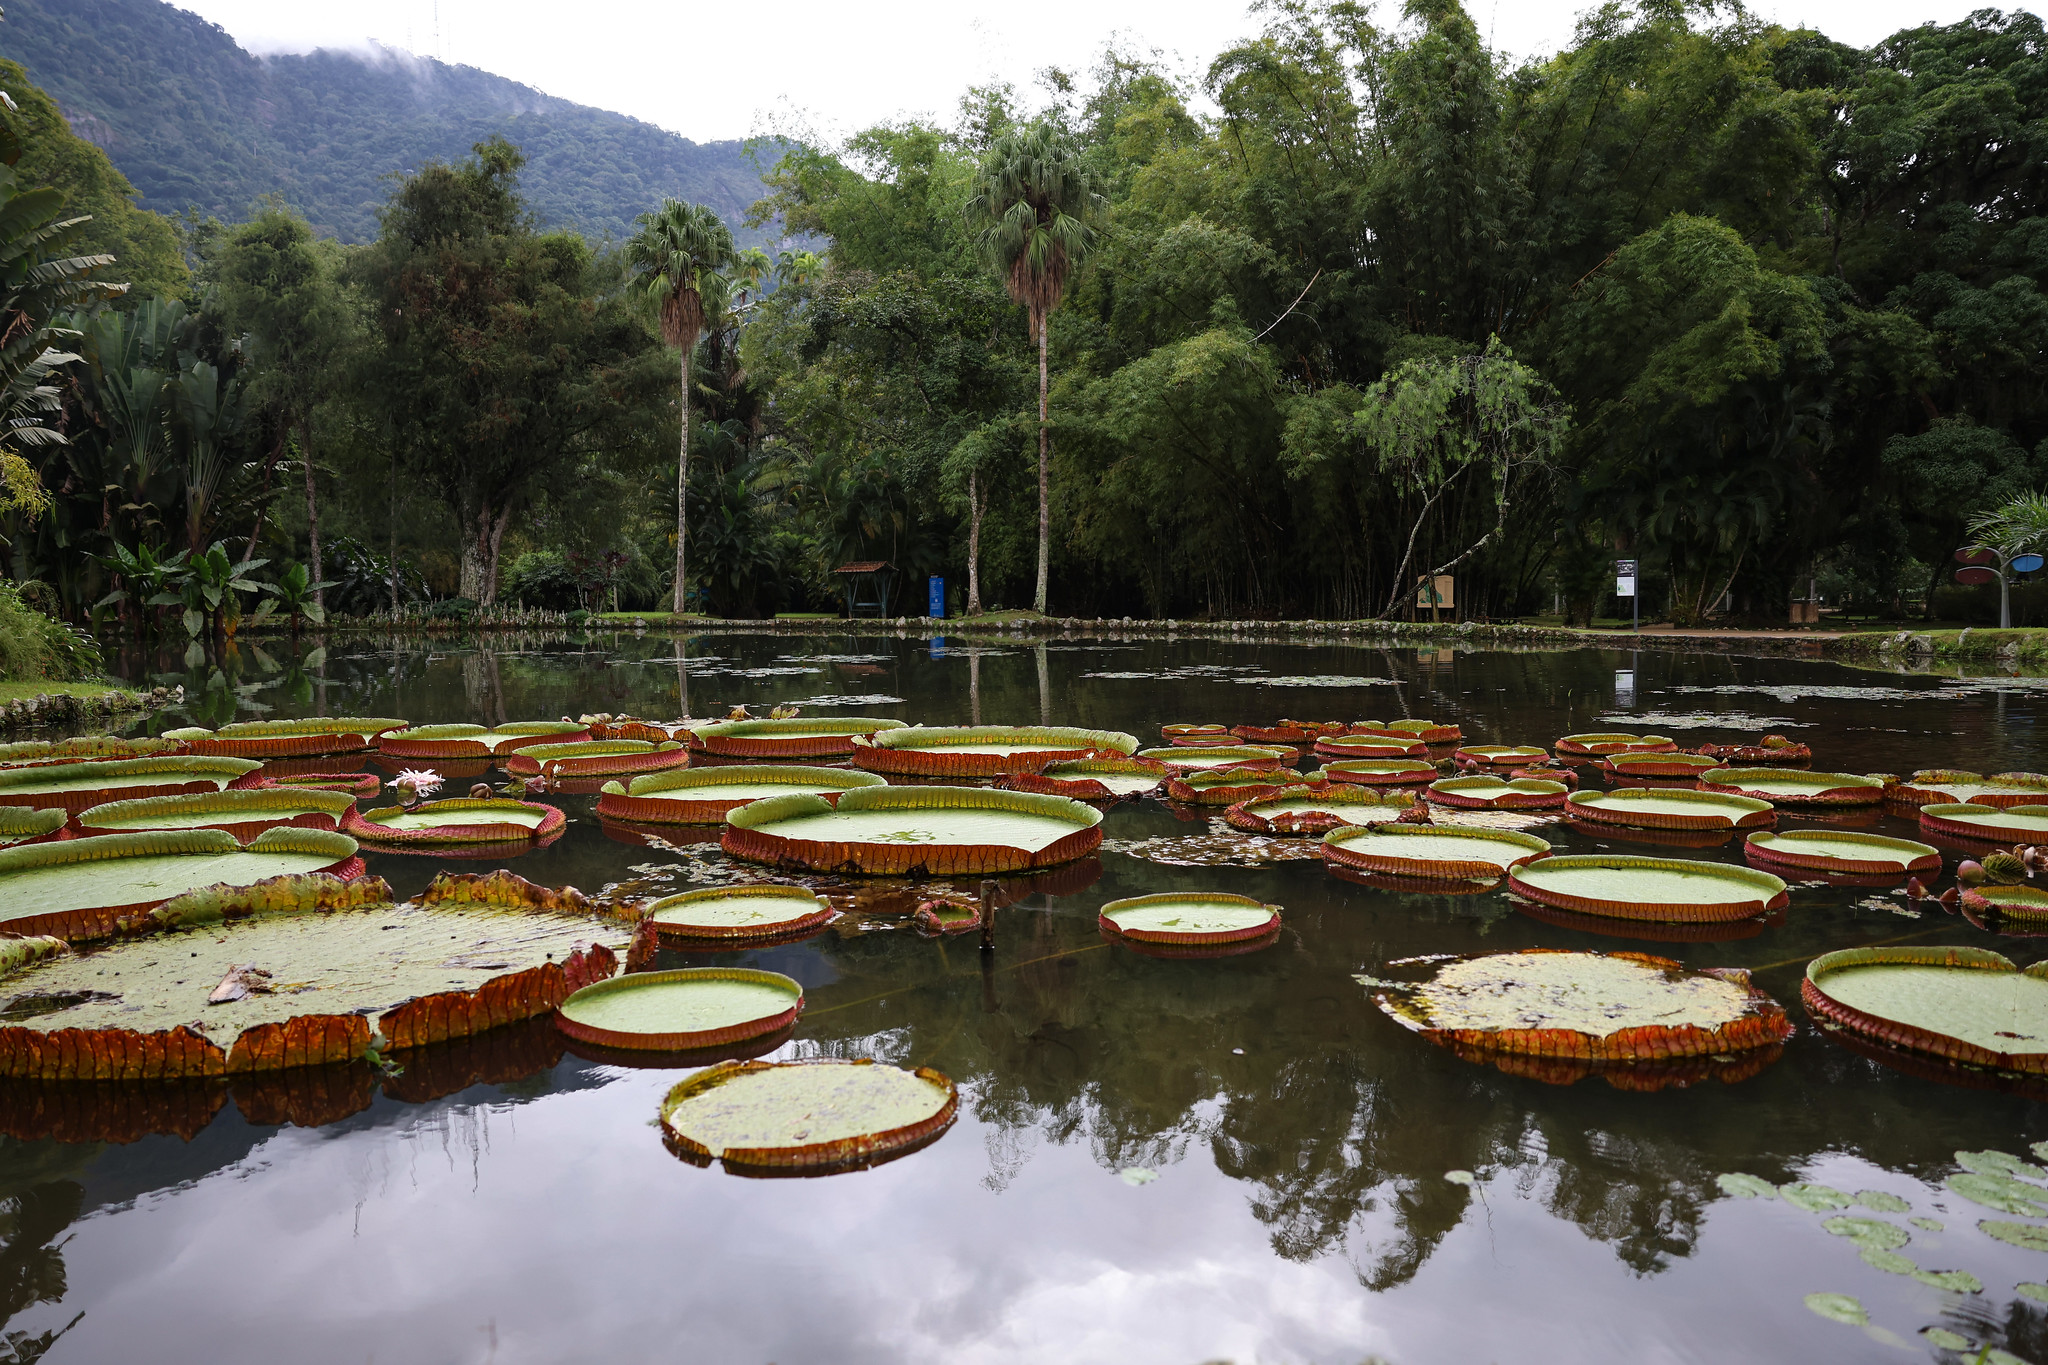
(22, 691)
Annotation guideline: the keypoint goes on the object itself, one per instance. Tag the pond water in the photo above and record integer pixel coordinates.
(1180, 1161)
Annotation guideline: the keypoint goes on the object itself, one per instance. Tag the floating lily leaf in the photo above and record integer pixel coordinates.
(1671, 889)
(1797, 787)
(1459, 1177)
(1655, 808)
(736, 914)
(1966, 1005)
(811, 737)
(1137, 1175)
(1946, 1340)
(1189, 918)
(1842, 851)
(1890, 1262)
(2028, 823)
(1742, 1185)
(76, 786)
(1996, 1192)
(2040, 1149)
(2028, 1289)
(2001, 1163)
(476, 741)
(983, 750)
(799, 1115)
(706, 795)
(938, 831)
(596, 758)
(1883, 1202)
(1926, 1224)
(1954, 1281)
(1313, 810)
(2031, 1236)
(1426, 851)
(1813, 1198)
(1994, 1356)
(1842, 1308)
(1869, 1232)
(680, 1010)
(244, 813)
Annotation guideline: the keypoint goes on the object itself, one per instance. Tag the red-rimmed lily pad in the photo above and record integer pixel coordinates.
(799, 737)
(1189, 919)
(357, 785)
(691, 1007)
(1625, 767)
(1091, 779)
(704, 796)
(1623, 1010)
(1291, 732)
(1796, 787)
(1338, 748)
(2027, 824)
(477, 741)
(289, 973)
(26, 825)
(244, 814)
(724, 916)
(1952, 786)
(268, 739)
(1433, 852)
(596, 758)
(1428, 731)
(1227, 786)
(915, 831)
(1841, 851)
(1377, 772)
(805, 1118)
(1221, 757)
(1649, 888)
(1664, 808)
(1966, 1006)
(84, 749)
(1492, 793)
(1772, 749)
(81, 888)
(457, 820)
(1174, 734)
(1314, 809)
(988, 750)
(1501, 755)
(76, 786)
(1599, 743)
(2015, 902)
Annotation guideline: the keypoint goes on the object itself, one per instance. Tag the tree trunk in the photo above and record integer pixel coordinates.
(312, 513)
(498, 525)
(391, 530)
(973, 542)
(683, 491)
(476, 551)
(263, 498)
(1044, 475)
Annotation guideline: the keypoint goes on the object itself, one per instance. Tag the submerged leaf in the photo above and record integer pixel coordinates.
(2027, 1289)
(1869, 1232)
(1996, 1192)
(2001, 1163)
(1882, 1202)
(1888, 1261)
(1926, 1224)
(1954, 1281)
(2031, 1236)
(1742, 1185)
(1842, 1308)
(1813, 1198)
(1944, 1339)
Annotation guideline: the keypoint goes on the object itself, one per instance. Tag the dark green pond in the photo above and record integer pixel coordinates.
(1174, 1161)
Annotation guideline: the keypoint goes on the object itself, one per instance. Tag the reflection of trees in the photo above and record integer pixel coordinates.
(32, 1260)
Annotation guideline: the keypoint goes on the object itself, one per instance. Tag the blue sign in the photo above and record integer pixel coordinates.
(938, 598)
(2026, 563)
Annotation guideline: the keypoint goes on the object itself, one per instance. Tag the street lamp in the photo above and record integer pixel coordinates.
(1985, 565)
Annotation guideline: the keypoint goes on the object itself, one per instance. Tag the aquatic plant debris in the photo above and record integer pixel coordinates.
(1220, 847)
(1460, 1177)
(1137, 1175)
(1701, 720)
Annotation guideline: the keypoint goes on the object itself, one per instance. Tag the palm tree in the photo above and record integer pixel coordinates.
(677, 256)
(1036, 206)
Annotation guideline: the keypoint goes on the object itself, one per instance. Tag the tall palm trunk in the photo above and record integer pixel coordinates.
(1044, 475)
(683, 489)
(973, 542)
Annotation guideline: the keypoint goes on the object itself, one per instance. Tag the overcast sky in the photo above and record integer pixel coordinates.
(711, 72)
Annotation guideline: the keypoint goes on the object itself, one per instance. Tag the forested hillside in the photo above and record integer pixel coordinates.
(195, 121)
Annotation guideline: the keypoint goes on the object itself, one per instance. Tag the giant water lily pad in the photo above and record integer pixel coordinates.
(596, 758)
(1227, 786)
(80, 888)
(244, 814)
(25, 824)
(458, 820)
(1369, 746)
(293, 972)
(1428, 731)
(1614, 742)
(729, 915)
(922, 831)
(1190, 919)
(1092, 779)
(1842, 851)
(1972, 821)
(1314, 809)
(694, 1007)
(803, 1117)
(268, 739)
(2017, 902)
(1182, 760)
(819, 737)
(1964, 1005)
(704, 796)
(1950, 786)
(1492, 793)
(987, 750)
(1590, 1009)
(1649, 888)
(1626, 767)
(1502, 755)
(1659, 808)
(1796, 787)
(76, 786)
(1391, 772)
(477, 741)
(84, 749)
(1289, 732)
(1434, 852)
(1199, 734)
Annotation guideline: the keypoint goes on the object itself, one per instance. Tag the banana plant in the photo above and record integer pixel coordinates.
(144, 580)
(294, 593)
(208, 588)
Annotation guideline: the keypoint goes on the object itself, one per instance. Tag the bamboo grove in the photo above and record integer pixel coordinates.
(1359, 302)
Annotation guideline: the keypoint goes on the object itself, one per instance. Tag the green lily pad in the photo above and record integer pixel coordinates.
(1843, 1308)
(2001, 1163)
(738, 913)
(1190, 917)
(1425, 850)
(2028, 1289)
(1796, 786)
(1943, 1339)
(680, 1010)
(1882, 1202)
(1222, 756)
(443, 815)
(1935, 999)
(1813, 1198)
(1869, 1232)
(2040, 1149)
(1649, 888)
(1843, 851)
(1742, 1185)
(814, 1114)
(78, 785)
(1108, 773)
(2031, 1236)
(1954, 1281)
(1996, 1192)
(1890, 1262)
(939, 830)
(215, 810)
(1926, 1224)
(2028, 823)
(1460, 1177)
(1658, 808)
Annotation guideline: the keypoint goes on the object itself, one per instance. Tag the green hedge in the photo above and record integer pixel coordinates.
(37, 648)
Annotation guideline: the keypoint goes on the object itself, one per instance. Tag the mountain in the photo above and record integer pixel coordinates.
(194, 121)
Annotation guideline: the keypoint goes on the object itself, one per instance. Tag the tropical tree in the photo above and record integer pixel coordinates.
(678, 257)
(1036, 205)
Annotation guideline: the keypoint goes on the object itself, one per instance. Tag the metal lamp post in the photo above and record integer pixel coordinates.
(1985, 565)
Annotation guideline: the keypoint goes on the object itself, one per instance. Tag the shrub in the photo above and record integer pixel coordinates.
(37, 648)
